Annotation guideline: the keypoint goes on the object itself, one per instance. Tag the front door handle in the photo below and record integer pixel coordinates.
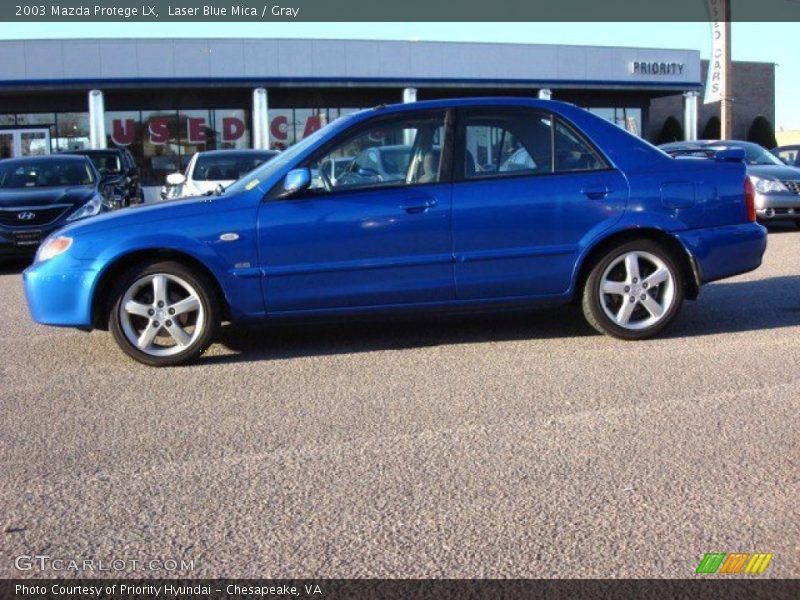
(596, 192)
(418, 205)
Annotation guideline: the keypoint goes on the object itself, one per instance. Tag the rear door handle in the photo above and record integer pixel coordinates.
(418, 205)
(596, 192)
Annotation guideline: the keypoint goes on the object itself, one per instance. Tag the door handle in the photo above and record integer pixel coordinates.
(596, 192)
(418, 205)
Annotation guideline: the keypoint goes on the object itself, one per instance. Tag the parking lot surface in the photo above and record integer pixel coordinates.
(513, 445)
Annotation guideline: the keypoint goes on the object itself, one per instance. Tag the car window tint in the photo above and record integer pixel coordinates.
(402, 151)
(572, 153)
(507, 143)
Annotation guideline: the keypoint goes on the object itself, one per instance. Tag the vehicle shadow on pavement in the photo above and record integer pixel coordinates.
(736, 306)
(724, 307)
(259, 342)
(11, 266)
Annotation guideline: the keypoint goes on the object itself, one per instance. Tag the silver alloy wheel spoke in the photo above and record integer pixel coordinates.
(632, 301)
(657, 278)
(159, 289)
(137, 308)
(179, 335)
(625, 312)
(613, 287)
(147, 336)
(632, 267)
(188, 304)
(653, 307)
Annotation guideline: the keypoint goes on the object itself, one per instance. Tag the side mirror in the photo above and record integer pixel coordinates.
(176, 179)
(295, 181)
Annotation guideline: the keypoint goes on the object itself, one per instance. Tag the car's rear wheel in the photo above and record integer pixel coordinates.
(164, 314)
(634, 291)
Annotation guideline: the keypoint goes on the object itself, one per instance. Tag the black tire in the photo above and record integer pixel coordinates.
(209, 309)
(593, 301)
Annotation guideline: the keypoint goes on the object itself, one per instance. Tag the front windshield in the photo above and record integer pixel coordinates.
(230, 167)
(107, 164)
(268, 169)
(755, 154)
(38, 174)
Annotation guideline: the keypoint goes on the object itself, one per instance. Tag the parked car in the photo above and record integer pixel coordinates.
(40, 194)
(789, 155)
(207, 171)
(119, 173)
(629, 233)
(777, 185)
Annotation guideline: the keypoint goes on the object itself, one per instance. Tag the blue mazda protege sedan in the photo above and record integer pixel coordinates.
(489, 202)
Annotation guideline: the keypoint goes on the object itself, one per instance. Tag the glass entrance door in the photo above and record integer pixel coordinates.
(24, 142)
(6, 144)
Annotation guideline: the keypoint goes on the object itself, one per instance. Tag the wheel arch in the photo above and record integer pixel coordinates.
(689, 269)
(101, 304)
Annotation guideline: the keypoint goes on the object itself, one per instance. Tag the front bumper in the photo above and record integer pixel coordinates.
(778, 206)
(721, 252)
(59, 291)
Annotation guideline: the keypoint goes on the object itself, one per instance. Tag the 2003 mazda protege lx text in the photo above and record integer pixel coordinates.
(503, 202)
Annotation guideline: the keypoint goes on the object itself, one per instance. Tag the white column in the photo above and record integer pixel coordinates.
(97, 120)
(409, 95)
(545, 94)
(260, 119)
(690, 116)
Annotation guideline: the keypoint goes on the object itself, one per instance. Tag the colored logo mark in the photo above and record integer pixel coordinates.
(737, 562)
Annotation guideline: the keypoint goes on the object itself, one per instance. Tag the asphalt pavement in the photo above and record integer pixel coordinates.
(511, 445)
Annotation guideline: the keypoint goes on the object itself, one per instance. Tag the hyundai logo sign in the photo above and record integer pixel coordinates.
(26, 216)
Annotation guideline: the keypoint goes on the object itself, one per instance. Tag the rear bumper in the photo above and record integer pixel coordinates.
(59, 292)
(721, 252)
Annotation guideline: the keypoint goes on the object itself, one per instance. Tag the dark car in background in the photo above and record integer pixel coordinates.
(119, 174)
(789, 155)
(777, 185)
(40, 194)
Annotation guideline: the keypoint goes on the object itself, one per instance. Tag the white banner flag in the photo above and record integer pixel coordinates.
(715, 79)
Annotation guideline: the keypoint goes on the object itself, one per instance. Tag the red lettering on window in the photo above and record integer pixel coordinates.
(232, 129)
(123, 132)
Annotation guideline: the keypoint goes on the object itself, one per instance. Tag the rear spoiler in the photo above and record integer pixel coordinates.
(729, 155)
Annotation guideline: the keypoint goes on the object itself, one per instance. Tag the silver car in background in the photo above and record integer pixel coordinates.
(777, 184)
(209, 170)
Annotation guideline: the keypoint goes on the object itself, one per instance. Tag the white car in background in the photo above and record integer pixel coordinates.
(207, 171)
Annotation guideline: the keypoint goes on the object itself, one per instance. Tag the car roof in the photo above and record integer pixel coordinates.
(87, 151)
(48, 158)
(243, 151)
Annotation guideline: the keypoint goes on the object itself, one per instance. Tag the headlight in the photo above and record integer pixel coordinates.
(767, 186)
(91, 208)
(53, 247)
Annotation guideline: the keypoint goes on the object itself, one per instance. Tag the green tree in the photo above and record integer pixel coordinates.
(762, 132)
(671, 131)
(712, 129)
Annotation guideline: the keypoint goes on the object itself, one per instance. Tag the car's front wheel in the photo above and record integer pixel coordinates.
(634, 291)
(164, 314)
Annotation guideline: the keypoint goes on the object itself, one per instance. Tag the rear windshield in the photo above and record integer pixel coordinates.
(106, 164)
(38, 174)
(227, 167)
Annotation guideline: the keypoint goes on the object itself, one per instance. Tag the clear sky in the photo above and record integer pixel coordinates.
(767, 42)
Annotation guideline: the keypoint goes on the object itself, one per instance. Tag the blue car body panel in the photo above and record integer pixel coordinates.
(460, 243)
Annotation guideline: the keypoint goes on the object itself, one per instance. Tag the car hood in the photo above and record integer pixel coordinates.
(173, 209)
(25, 197)
(774, 172)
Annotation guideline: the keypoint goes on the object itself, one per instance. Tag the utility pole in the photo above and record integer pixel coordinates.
(726, 106)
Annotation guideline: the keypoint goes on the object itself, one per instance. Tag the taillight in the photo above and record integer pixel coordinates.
(750, 199)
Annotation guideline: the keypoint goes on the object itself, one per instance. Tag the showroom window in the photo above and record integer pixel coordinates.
(44, 120)
(72, 131)
(231, 129)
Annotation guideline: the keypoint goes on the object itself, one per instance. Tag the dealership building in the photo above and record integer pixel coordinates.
(166, 99)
